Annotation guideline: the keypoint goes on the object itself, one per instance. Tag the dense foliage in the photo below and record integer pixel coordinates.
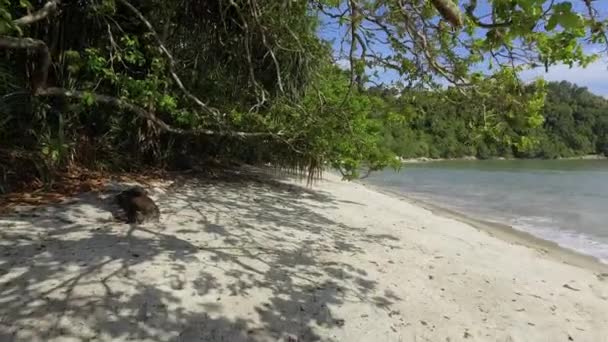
(574, 123)
(119, 84)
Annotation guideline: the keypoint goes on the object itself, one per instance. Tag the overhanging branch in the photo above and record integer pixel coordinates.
(470, 9)
(449, 11)
(44, 57)
(48, 8)
(39, 86)
(141, 112)
(20, 43)
(169, 56)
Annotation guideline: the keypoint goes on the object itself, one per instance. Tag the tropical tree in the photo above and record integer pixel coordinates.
(116, 83)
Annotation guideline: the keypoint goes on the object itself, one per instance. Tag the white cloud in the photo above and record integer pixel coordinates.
(343, 63)
(594, 76)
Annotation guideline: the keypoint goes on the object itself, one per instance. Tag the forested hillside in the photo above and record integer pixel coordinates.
(128, 85)
(441, 124)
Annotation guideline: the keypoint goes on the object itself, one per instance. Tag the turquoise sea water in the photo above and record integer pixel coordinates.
(565, 201)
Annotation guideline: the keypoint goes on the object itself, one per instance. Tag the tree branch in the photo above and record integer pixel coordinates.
(470, 9)
(40, 89)
(449, 11)
(48, 8)
(20, 43)
(125, 105)
(44, 57)
(166, 52)
(41, 71)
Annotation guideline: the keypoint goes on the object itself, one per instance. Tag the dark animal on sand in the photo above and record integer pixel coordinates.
(137, 205)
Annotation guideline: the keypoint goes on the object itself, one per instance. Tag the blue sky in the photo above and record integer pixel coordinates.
(594, 77)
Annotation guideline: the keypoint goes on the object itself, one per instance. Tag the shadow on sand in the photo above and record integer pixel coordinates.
(235, 259)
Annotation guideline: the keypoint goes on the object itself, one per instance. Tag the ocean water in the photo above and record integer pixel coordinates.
(565, 201)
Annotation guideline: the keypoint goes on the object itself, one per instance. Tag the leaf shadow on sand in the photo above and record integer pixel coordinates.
(70, 271)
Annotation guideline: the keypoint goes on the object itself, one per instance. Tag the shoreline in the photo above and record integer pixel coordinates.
(262, 258)
(505, 232)
(420, 160)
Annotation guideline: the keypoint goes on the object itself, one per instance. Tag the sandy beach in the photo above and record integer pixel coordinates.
(253, 259)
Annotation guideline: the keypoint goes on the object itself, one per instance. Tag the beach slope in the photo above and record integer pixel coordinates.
(253, 259)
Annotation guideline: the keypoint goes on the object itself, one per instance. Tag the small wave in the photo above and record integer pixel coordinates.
(533, 221)
(583, 243)
(542, 227)
(550, 227)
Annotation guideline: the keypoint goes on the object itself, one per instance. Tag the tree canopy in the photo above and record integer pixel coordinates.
(574, 123)
(116, 84)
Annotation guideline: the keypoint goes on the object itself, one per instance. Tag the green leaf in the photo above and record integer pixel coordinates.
(552, 23)
(570, 20)
(25, 4)
(88, 99)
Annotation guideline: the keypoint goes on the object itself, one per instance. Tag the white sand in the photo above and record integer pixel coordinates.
(265, 262)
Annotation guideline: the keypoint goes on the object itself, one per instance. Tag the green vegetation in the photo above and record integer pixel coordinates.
(129, 84)
(445, 124)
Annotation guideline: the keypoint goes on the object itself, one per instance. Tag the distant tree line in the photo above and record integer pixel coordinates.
(447, 125)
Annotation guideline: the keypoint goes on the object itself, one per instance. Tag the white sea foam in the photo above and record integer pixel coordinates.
(542, 227)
